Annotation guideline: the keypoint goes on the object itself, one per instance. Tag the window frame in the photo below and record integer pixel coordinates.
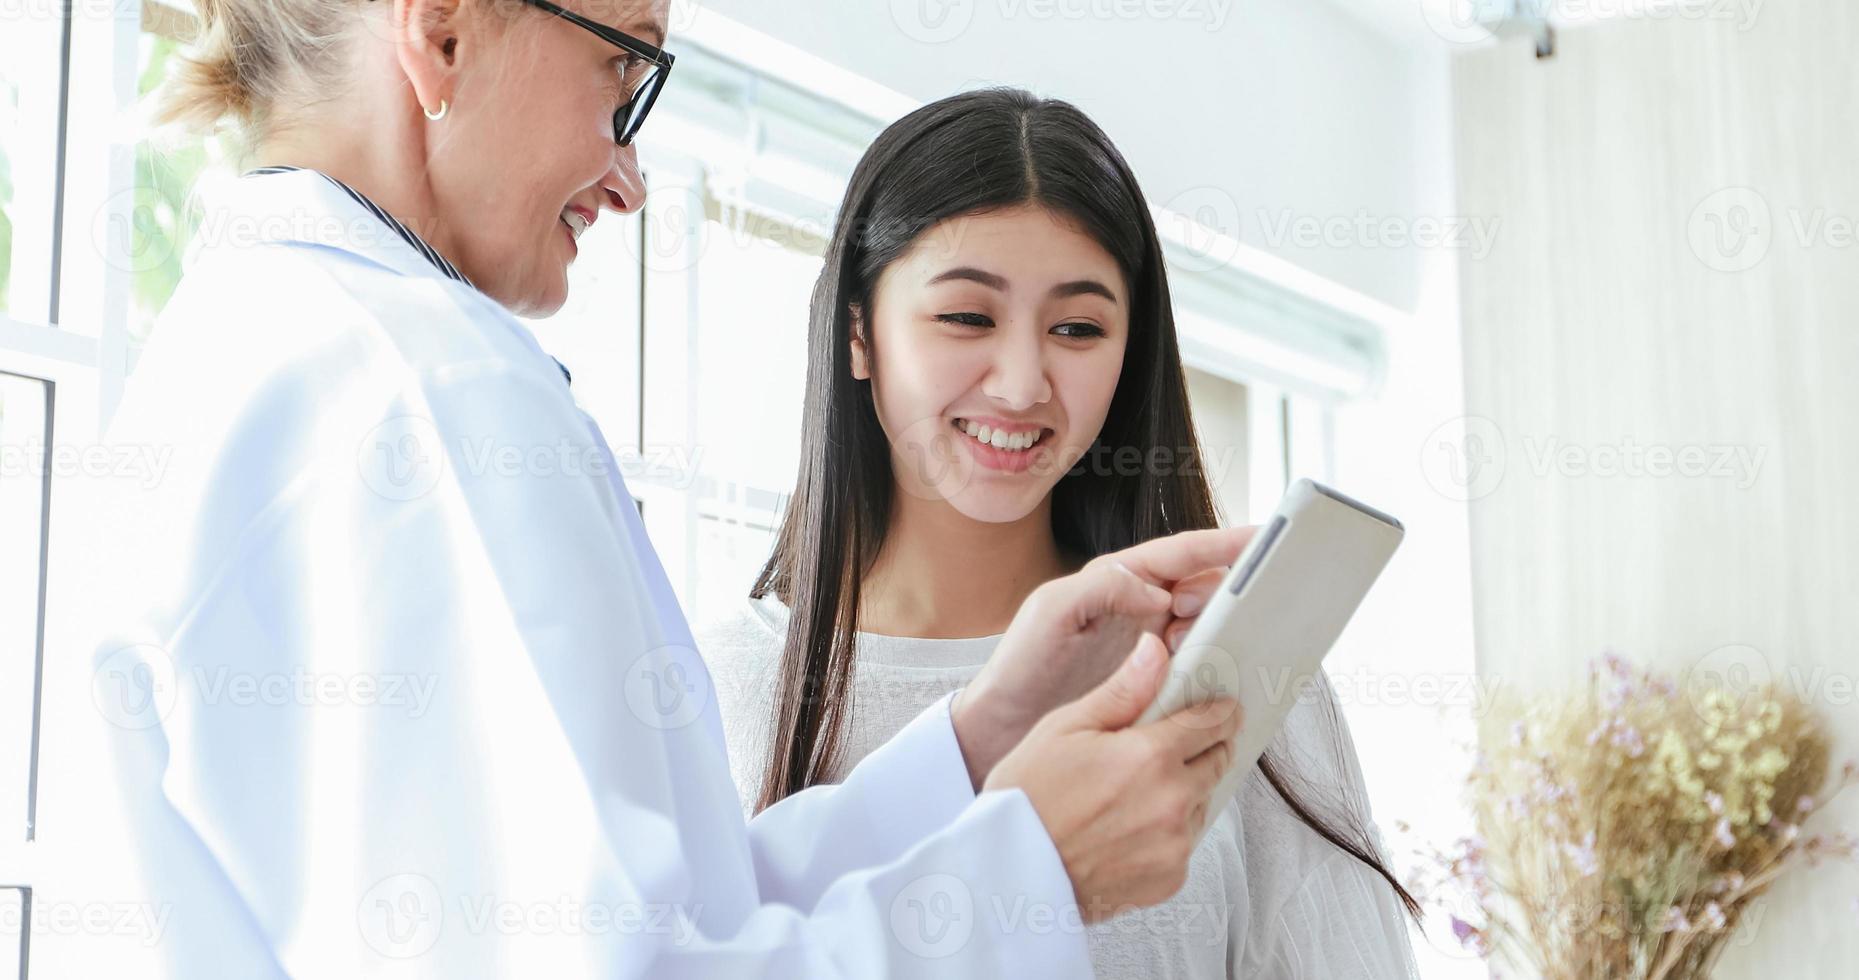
(66, 327)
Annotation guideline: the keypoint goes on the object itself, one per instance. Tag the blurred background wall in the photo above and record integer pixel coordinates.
(1660, 354)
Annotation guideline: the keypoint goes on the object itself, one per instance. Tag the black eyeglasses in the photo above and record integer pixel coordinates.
(629, 117)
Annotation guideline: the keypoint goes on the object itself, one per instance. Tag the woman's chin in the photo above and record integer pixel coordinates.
(541, 300)
(995, 505)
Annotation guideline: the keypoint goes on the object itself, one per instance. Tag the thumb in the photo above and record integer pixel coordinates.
(1120, 699)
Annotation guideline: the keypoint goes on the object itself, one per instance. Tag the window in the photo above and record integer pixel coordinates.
(14, 930)
(1220, 418)
(161, 222)
(25, 432)
(31, 66)
(26, 467)
(161, 215)
(730, 246)
(32, 95)
(9, 138)
(723, 485)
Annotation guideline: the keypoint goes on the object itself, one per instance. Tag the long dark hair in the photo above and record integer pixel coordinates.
(969, 154)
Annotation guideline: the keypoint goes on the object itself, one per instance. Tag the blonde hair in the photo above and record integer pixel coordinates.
(249, 55)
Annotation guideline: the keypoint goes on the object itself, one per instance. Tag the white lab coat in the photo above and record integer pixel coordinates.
(399, 688)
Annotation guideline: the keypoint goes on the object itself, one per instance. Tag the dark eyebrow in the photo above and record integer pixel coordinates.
(972, 274)
(1083, 287)
(1064, 290)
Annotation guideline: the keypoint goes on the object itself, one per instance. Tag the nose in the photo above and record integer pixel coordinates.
(1018, 380)
(623, 185)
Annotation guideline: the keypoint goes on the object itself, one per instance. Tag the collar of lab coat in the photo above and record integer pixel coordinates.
(305, 207)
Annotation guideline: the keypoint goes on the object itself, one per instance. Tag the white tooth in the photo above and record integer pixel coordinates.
(981, 433)
(998, 440)
(966, 426)
(1016, 441)
(1023, 441)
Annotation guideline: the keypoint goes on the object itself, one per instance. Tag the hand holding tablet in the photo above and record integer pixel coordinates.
(1266, 629)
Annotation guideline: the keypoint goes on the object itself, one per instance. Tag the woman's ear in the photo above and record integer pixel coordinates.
(426, 41)
(861, 362)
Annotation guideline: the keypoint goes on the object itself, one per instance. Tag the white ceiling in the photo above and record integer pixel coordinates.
(1448, 24)
(1402, 20)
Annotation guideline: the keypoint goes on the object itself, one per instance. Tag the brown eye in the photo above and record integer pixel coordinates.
(631, 69)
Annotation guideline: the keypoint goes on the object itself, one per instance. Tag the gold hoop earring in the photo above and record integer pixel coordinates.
(444, 107)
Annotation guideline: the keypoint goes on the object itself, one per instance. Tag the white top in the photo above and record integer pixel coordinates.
(1266, 897)
(396, 687)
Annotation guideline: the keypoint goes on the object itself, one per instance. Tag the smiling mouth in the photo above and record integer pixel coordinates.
(1011, 442)
(576, 223)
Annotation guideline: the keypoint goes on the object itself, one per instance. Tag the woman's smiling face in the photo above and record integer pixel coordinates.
(529, 152)
(996, 343)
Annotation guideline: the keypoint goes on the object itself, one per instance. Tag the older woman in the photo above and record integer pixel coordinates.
(418, 705)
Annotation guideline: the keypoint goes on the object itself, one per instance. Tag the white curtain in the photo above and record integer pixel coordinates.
(1662, 365)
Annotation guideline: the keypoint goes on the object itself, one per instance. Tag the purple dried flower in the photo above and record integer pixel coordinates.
(1583, 855)
(1627, 737)
(1675, 921)
(1723, 834)
(1462, 930)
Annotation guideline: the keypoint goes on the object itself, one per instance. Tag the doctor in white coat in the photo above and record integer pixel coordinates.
(397, 683)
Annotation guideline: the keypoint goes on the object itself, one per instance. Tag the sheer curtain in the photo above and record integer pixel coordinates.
(1661, 348)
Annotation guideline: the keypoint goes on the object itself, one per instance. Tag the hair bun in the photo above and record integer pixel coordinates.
(245, 55)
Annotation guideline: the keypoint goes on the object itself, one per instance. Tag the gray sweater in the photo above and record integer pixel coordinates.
(1265, 897)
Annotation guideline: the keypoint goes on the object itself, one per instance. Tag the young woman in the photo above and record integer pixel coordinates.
(990, 339)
